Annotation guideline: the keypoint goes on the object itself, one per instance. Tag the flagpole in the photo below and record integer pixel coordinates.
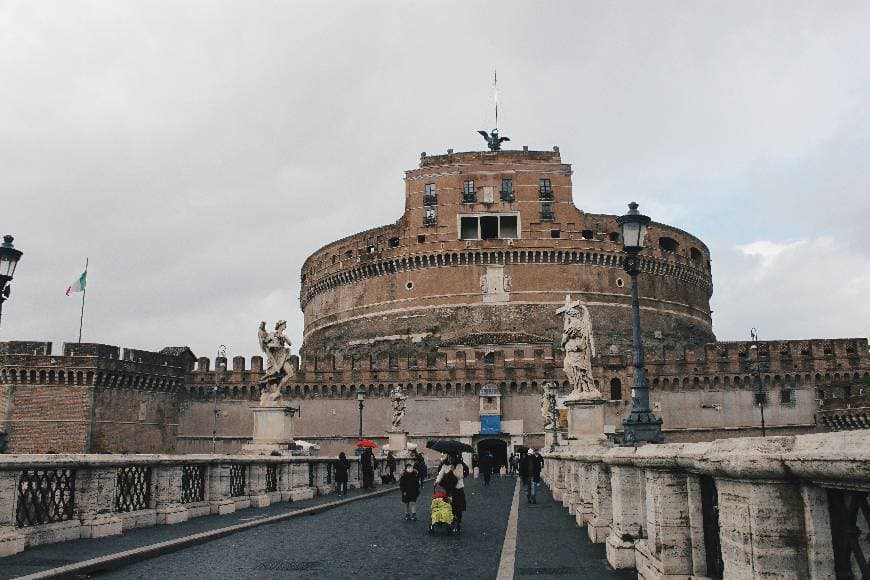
(84, 293)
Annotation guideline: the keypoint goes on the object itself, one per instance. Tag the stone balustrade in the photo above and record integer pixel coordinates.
(54, 498)
(767, 508)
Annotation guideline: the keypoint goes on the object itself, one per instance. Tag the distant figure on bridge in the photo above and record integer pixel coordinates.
(342, 465)
(367, 464)
(485, 464)
(420, 466)
(391, 468)
(409, 485)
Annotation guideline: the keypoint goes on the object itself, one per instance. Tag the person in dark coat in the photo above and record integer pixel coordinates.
(409, 485)
(420, 466)
(341, 467)
(391, 467)
(485, 465)
(534, 465)
(367, 464)
(524, 465)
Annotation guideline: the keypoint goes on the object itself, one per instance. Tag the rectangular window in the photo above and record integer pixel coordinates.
(421, 239)
(544, 186)
(430, 195)
(507, 190)
(547, 212)
(555, 234)
(489, 227)
(431, 217)
(508, 227)
(468, 228)
(468, 192)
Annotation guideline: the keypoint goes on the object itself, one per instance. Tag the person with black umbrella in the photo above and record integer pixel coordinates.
(451, 477)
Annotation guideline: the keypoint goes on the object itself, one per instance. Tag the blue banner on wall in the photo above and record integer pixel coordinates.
(490, 425)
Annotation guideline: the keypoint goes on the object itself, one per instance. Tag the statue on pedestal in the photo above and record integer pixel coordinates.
(578, 345)
(397, 400)
(548, 400)
(279, 370)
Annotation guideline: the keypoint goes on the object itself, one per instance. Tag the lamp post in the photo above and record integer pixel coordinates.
(9, 257)
(361, 397)
(220, 368)
(555, 418)
(760, 395)
(641, 425)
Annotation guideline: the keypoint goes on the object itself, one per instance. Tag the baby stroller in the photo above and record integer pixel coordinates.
(442, 513)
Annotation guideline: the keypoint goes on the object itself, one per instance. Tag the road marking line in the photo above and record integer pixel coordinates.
(509, 548)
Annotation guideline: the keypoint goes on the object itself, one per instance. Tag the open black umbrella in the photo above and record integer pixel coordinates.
(449, 446)
(521, 449)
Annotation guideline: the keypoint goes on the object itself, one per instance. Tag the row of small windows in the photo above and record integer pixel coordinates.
(469, 192)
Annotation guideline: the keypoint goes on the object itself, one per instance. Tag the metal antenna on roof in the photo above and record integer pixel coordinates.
(495, 95)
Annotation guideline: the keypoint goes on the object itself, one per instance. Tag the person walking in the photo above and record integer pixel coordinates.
(535, 465)
(451, 476)
(485, 465)
(367, 464)
(524, 467)
(420, 466)
(391, 467)
(342, 465)
(408, 484)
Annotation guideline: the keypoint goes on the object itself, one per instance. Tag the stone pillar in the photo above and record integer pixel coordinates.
(95, 502)
(696, 526)
(628, 525)
(219, 500)
(583, 495)
(817, 528)
(273, 431)
(11, 540)
(666, 553)
(285, 481)
(598, 526)
(398, 441)
(558, 479)
(167, 481)
(761, 526)
(320, 482)
(585, 420)
(569, 495)
(257, 485)
(299, 488)
(354, 476)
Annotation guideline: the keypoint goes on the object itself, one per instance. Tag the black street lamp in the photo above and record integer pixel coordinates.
(9, 257)
(220, 369)
(641, 425)
(756, 370)
(361, 397)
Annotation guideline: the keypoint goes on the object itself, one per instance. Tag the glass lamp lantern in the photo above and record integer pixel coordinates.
(633, 227)
(360, 396)
(9, 257)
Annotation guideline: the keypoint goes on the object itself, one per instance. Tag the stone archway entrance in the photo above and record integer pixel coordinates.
(498, 449)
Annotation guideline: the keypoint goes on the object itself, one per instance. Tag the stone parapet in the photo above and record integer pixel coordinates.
(776, 507)
(54, 498)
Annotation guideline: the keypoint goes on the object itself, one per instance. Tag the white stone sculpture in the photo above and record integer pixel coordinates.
(548, 399)
(397, 399)
(279, 369)
(578, 345)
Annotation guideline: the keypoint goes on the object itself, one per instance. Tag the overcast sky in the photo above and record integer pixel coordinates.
(198, 152)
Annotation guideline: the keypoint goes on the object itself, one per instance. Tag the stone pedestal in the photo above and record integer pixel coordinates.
(398, 441)
(273, 431)
(585, 419)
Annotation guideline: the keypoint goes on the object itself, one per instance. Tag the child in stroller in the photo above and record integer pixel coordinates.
(442, 513)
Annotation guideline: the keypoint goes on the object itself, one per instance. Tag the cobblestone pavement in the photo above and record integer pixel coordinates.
(366, 539)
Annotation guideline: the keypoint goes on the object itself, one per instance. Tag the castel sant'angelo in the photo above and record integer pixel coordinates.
(455, 303)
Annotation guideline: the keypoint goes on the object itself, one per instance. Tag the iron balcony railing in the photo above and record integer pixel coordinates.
(547, 213)
(430, 199)
(545, 194)
(507, 195)
(469, 196)
(430, 220)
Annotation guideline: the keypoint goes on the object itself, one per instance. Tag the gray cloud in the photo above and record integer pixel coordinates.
(198, 152)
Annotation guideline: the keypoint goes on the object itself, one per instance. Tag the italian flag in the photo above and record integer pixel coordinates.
(79, 285)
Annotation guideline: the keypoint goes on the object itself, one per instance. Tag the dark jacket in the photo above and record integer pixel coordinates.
(410, 485)
(367, 461)
(536, 463)
(420, 465)
(341, 467)
(525, 466)
(391, 463)
(485, 463)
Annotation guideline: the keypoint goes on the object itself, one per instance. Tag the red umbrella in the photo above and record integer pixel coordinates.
(366, 443)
